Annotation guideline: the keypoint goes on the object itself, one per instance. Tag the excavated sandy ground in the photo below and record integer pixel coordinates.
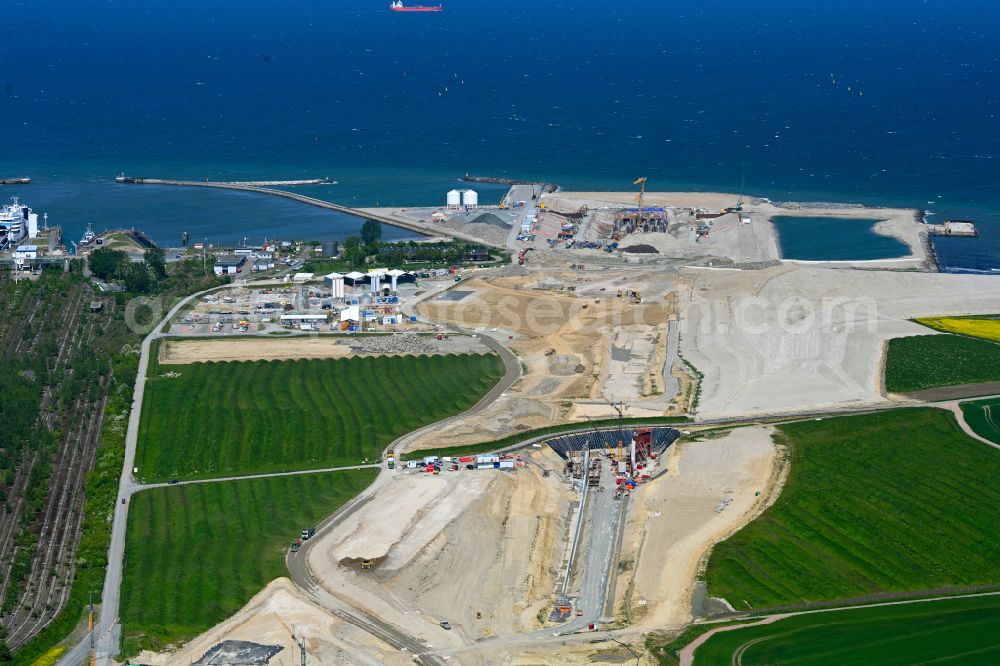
(673, 524)
(194, 351)
(580, 328)
(804, 338)
(267, 619)
(180, 350)
(450, 546)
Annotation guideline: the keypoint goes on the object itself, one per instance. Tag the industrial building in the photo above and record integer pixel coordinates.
(229, 264)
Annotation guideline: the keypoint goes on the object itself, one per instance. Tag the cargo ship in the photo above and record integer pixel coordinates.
(398, 6)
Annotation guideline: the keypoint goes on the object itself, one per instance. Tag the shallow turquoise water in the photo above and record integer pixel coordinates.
(834, 239)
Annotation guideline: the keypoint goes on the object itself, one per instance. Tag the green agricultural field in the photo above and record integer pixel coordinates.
(929, 361)
(955, 631)
(224, 419)
(983, 416)
(197, 553)
(893, 501)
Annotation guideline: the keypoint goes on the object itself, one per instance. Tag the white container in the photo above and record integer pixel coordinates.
(470, 199)
(454, 199)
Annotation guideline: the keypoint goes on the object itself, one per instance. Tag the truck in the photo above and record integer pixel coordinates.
(308, 533)
(296, 545)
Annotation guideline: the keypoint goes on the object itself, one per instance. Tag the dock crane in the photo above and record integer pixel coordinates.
(640, 197)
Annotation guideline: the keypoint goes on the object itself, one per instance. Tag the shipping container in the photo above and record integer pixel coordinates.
(506, 464)
(484, 466)
(429, 460)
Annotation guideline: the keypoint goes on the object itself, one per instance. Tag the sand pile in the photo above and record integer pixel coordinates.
(677, 518)
(398, 522)
(489, 218)
(263, 626)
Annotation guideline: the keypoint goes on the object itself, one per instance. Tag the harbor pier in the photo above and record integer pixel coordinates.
(396, 221)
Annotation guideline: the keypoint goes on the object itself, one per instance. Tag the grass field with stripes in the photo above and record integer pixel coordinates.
(197, 553)
(208, 420)
(878, 503)
(954, 631)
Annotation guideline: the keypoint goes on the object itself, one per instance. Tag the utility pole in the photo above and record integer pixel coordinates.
(302, 648)
(619, 406)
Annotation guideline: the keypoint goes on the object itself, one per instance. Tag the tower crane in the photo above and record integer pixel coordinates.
(641, 182)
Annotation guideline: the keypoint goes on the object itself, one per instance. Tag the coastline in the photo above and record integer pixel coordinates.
(757, 243)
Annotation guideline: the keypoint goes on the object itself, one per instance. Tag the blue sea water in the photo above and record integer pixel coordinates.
(808, 238)
(890, 103)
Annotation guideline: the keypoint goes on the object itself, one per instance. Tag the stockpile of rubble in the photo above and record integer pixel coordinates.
(405, 343)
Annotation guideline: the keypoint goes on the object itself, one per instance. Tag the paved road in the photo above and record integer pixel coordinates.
(245, 477)
(603, 515)
(298, 563)
(107, 628)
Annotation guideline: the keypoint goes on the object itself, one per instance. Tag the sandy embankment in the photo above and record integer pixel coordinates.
(267, 619)
(796, 338)
(443, 550)
(674, 523)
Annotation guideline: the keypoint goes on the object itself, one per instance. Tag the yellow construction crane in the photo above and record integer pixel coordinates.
(641, 182)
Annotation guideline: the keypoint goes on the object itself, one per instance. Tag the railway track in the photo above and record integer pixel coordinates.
(60, 535)
(46, 589)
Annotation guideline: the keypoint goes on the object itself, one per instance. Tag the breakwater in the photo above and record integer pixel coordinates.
(135, 180)
(421, 228)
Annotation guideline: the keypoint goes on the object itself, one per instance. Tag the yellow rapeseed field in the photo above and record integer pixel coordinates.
(50, 657)
(988, 329)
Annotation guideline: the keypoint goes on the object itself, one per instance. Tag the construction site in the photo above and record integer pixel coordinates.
(615, 307)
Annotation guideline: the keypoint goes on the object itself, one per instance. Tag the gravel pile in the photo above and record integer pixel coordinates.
(641, 248)
(565, 364)
(405, 343)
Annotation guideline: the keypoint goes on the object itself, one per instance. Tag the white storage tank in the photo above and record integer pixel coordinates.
(470, 199)
(454, 199)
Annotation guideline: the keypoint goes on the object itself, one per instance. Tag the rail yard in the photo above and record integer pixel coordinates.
(641, 339)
